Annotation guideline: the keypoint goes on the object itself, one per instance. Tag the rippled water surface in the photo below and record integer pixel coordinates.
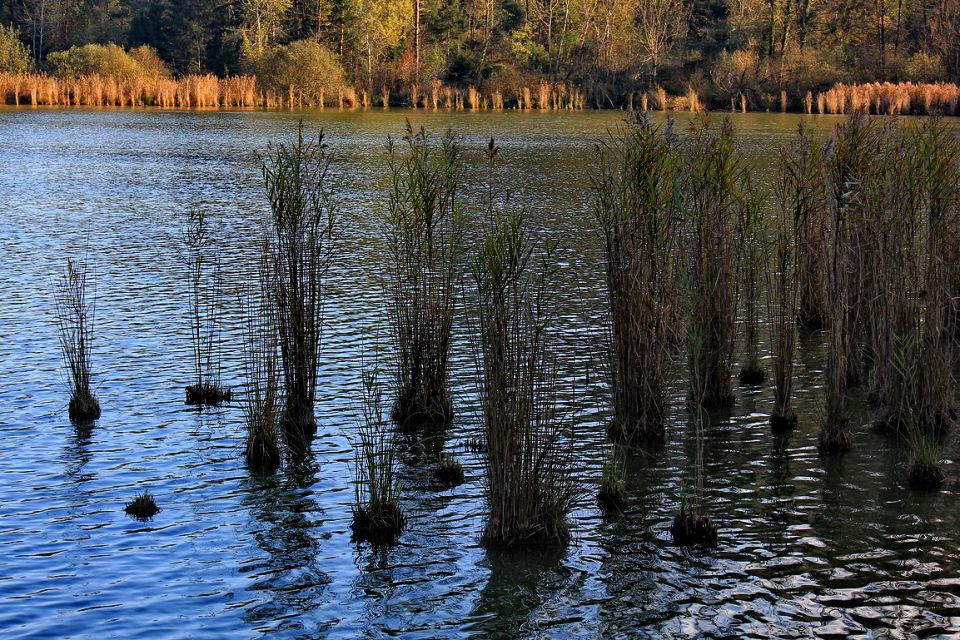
(806, 547)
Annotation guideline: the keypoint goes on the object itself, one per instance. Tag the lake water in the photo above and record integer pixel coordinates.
(835, 548)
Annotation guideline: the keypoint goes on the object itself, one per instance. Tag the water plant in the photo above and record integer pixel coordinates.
(636, 210)
(143, 506)
(261, 366)
(304, 237)
(849, 176)
(801, 184)
(783, 297)
(75, 320)
(528, 488)
(424, 232)
(377, 515)
(714, 211)
(205, 280)
(612, 496)
(449, 471)
(751, 273)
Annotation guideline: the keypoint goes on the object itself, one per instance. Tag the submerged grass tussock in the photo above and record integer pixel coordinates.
(612, 496)
(205, 280)
(377, 515)
(636, 208)
(143, 507)
(714, 210)
(304, 235)
(261, 366)
(75, 319)
(528, 484)
(449, 471)
(425, 240)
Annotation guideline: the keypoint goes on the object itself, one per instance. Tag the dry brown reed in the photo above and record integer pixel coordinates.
(424, 234)
(75, 320)
(304, 236)
(904, 98)
(637, 216)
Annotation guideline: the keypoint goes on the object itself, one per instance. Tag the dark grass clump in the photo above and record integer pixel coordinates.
(529, 491)
(207, 394)
(377, 516)
(424, 229)
(261, 398)
(637, 215)
(205, 280)
(75, 320)
(714, 210)
(612, 496)
(925, 477)
(689, 529)
(143, 507)
(304, 237)
(449, 472)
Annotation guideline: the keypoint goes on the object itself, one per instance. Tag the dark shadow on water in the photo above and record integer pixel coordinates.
(289, 578)
(520, 582)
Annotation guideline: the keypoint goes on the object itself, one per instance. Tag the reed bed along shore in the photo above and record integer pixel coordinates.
(243, 91)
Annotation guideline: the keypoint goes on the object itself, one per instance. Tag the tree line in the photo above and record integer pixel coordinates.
(727, 51)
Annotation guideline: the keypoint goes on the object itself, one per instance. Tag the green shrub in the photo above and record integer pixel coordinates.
(923, 67)
(107, 60)
(14, 57)
(306, 65)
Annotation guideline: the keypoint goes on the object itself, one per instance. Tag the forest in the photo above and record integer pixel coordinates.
(757, 54)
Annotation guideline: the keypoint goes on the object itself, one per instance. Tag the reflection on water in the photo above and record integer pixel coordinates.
(841, 547)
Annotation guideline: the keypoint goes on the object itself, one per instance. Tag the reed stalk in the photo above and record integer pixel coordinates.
(751, 272)
(75, 320)
(262, 394)
(304, 238)
(636, 212)
(205, 280)
(714, 211)
(377, 515)
(424, 233)
(529, 491)
(783, 277)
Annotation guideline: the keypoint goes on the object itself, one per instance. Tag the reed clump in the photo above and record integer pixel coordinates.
(262, 402)
(854, 148)
(636, 212)
(714, 210)
(692, 526)
(752, 269)
(801, 187)
(75, 320)
(782, 264)
(529, 491)
(449, 472)
(304, 236)
(424, 232)
(205, 281)
(143, 507)
(377, 516)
